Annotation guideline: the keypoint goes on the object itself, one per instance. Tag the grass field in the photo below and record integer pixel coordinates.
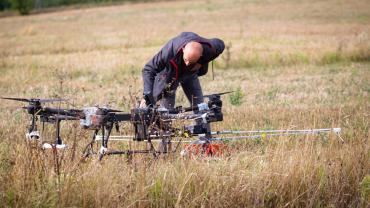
(300, 64)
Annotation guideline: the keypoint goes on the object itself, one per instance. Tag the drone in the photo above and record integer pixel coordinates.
(152, 123)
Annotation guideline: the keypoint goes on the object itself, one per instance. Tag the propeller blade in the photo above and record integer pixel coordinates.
(16, 99)
(221, 93)
(34, 100)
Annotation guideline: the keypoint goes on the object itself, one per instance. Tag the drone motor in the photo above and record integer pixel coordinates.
(93, 118)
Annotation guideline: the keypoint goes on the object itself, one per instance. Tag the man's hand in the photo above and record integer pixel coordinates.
(142, 103)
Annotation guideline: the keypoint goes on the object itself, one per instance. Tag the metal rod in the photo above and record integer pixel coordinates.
(265, 135)
(304, 131)
(130, 139)
(112, 138)
(335, 130)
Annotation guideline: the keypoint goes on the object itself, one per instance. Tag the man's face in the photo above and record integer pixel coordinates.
(191, 55)
(188, 61)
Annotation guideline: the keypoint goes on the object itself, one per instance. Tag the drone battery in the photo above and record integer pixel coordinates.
(215, 103)
(199, 129)
(140, 120)
(215, 116)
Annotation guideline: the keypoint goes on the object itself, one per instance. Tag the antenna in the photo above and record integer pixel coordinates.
(213, 73)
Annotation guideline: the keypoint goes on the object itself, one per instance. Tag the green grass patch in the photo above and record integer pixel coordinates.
(331, 58)
(365, 188)
(236, 98)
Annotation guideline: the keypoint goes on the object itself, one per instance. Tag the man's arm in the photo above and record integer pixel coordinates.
(154, 65)
(203, 69)
(218, 47)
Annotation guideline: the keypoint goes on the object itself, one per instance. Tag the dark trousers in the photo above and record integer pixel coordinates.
(192, 90)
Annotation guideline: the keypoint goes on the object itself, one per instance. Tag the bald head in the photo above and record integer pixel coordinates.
(192, 52)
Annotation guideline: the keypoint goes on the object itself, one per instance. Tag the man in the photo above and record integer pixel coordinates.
(181, 61)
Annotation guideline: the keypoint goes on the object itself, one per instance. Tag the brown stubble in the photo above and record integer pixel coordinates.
(300, 65)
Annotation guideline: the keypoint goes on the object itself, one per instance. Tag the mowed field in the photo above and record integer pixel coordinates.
(299, 64)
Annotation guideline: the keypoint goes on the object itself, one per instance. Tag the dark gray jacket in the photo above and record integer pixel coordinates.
(167, 66)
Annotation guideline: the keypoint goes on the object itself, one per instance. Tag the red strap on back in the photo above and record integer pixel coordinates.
(176, 68)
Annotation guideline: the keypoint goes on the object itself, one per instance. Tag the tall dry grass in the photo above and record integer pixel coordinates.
(300, 65)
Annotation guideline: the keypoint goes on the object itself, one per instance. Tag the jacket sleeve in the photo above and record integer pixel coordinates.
(203, 70)
(157, 64)
(218, 45)
(152, 68)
